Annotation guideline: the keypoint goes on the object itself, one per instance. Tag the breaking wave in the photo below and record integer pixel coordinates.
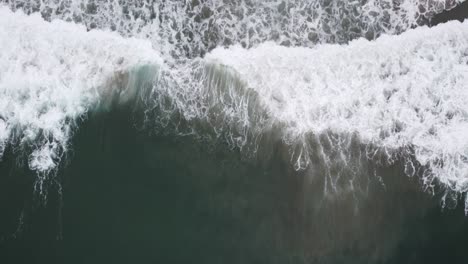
(400, 96)
(337, 106)
(52, 74)
(352, 96)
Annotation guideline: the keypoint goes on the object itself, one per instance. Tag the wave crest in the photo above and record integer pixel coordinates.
(52, 74)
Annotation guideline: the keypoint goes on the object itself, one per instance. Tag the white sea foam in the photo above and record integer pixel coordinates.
(182, 28)
(51, 74)
(402, 94)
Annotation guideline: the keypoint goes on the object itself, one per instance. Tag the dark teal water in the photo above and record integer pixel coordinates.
(127, 196)
(133, 197)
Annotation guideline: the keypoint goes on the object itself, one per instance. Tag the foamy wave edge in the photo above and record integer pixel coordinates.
(399, 98)
(52, 74)
(405, 98)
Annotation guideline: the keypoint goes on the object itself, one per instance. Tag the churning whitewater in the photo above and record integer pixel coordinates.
(53, 73)
(345, 93)
(403, 96)
(406, 96)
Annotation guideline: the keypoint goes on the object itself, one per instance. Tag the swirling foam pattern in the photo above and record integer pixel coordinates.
(191, 28)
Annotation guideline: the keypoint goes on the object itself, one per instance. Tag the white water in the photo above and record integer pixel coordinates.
(405, 95)
(189, 28)
(51, 74)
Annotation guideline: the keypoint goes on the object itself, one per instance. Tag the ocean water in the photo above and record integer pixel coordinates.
(233, 131)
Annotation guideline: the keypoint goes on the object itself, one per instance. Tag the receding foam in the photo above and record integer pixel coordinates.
(402, 94)
(53, 73)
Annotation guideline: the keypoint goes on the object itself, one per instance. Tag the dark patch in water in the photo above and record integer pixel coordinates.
(131, 197)
(459, 13)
